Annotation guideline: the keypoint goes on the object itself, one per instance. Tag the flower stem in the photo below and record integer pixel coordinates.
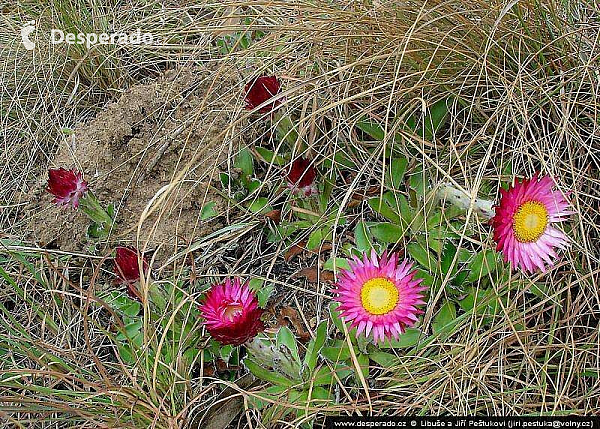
(157, 297)
(448, 192)
(286, 130)
(90, 205)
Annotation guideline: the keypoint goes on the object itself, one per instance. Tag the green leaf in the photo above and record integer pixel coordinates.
(363, 362)
(380, 206)
(296, 397)
(132, 309)
(445, 317)
(434, 220)
(208, 211)
(451, 212)
(271, 392)
(410, 124)
(324, 375)
(396, 171)
(110, 209)
(255, 284)
(131, 330)
(540, 290)
(225, 352)
(245, 162)
(387, 232)
(343, 160)
(126, 354)
(263, 293)
(253, 185)
(474, 296)
(427, 278)
(334, 264)
(383, 359)
(464, 255)
(315, 239)
(224, 177)
(337, 354)
(267, 375)
(371, 128)
(408, 339)
(285, 338)
(335, 316)
(420, 254)
(314, 347)
(447, 257)
(270, 156)
(417, 225)
(286, 130)
(325, 195)
(406, 211)
(430, 243)
(361, 237)
(244, 41)
(460, 278)
(320, 394)
(95, 231)
(207, 355)
(260, 205)
(190, 354)
(419, 183)
(494, 305)
(361, 341)
(484, 263)
(435, 118)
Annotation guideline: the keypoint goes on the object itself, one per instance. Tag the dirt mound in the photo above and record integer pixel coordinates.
(163, 133)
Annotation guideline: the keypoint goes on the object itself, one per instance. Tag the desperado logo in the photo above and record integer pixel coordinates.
(90, 39)
(26, 30)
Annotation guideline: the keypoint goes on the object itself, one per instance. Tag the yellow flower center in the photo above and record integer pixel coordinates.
(379, 296)
(530, 221)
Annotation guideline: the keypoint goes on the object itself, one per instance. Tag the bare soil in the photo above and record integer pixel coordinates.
(167, 132)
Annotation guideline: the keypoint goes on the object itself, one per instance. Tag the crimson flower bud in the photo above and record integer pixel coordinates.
(127, 269)
(261, 89)
(67, 186)
(301, 177)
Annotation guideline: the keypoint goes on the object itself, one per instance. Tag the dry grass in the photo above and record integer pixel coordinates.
(524, 79)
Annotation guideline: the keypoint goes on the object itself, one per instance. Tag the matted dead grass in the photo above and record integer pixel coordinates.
(524, 77)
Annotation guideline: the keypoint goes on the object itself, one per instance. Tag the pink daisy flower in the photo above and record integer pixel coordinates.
(523, 223)
(379, 296)
(67, 186)
(231, 313)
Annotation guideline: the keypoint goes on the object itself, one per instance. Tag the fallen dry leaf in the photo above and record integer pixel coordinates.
(313, 275)
(274, 215)
(294, 251)
(226, 408)
(325, 247)
(291, 314)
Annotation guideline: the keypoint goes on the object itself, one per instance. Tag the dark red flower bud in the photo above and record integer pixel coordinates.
(127, 269)
(67, 186)
(301, 176)
(260, 90)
